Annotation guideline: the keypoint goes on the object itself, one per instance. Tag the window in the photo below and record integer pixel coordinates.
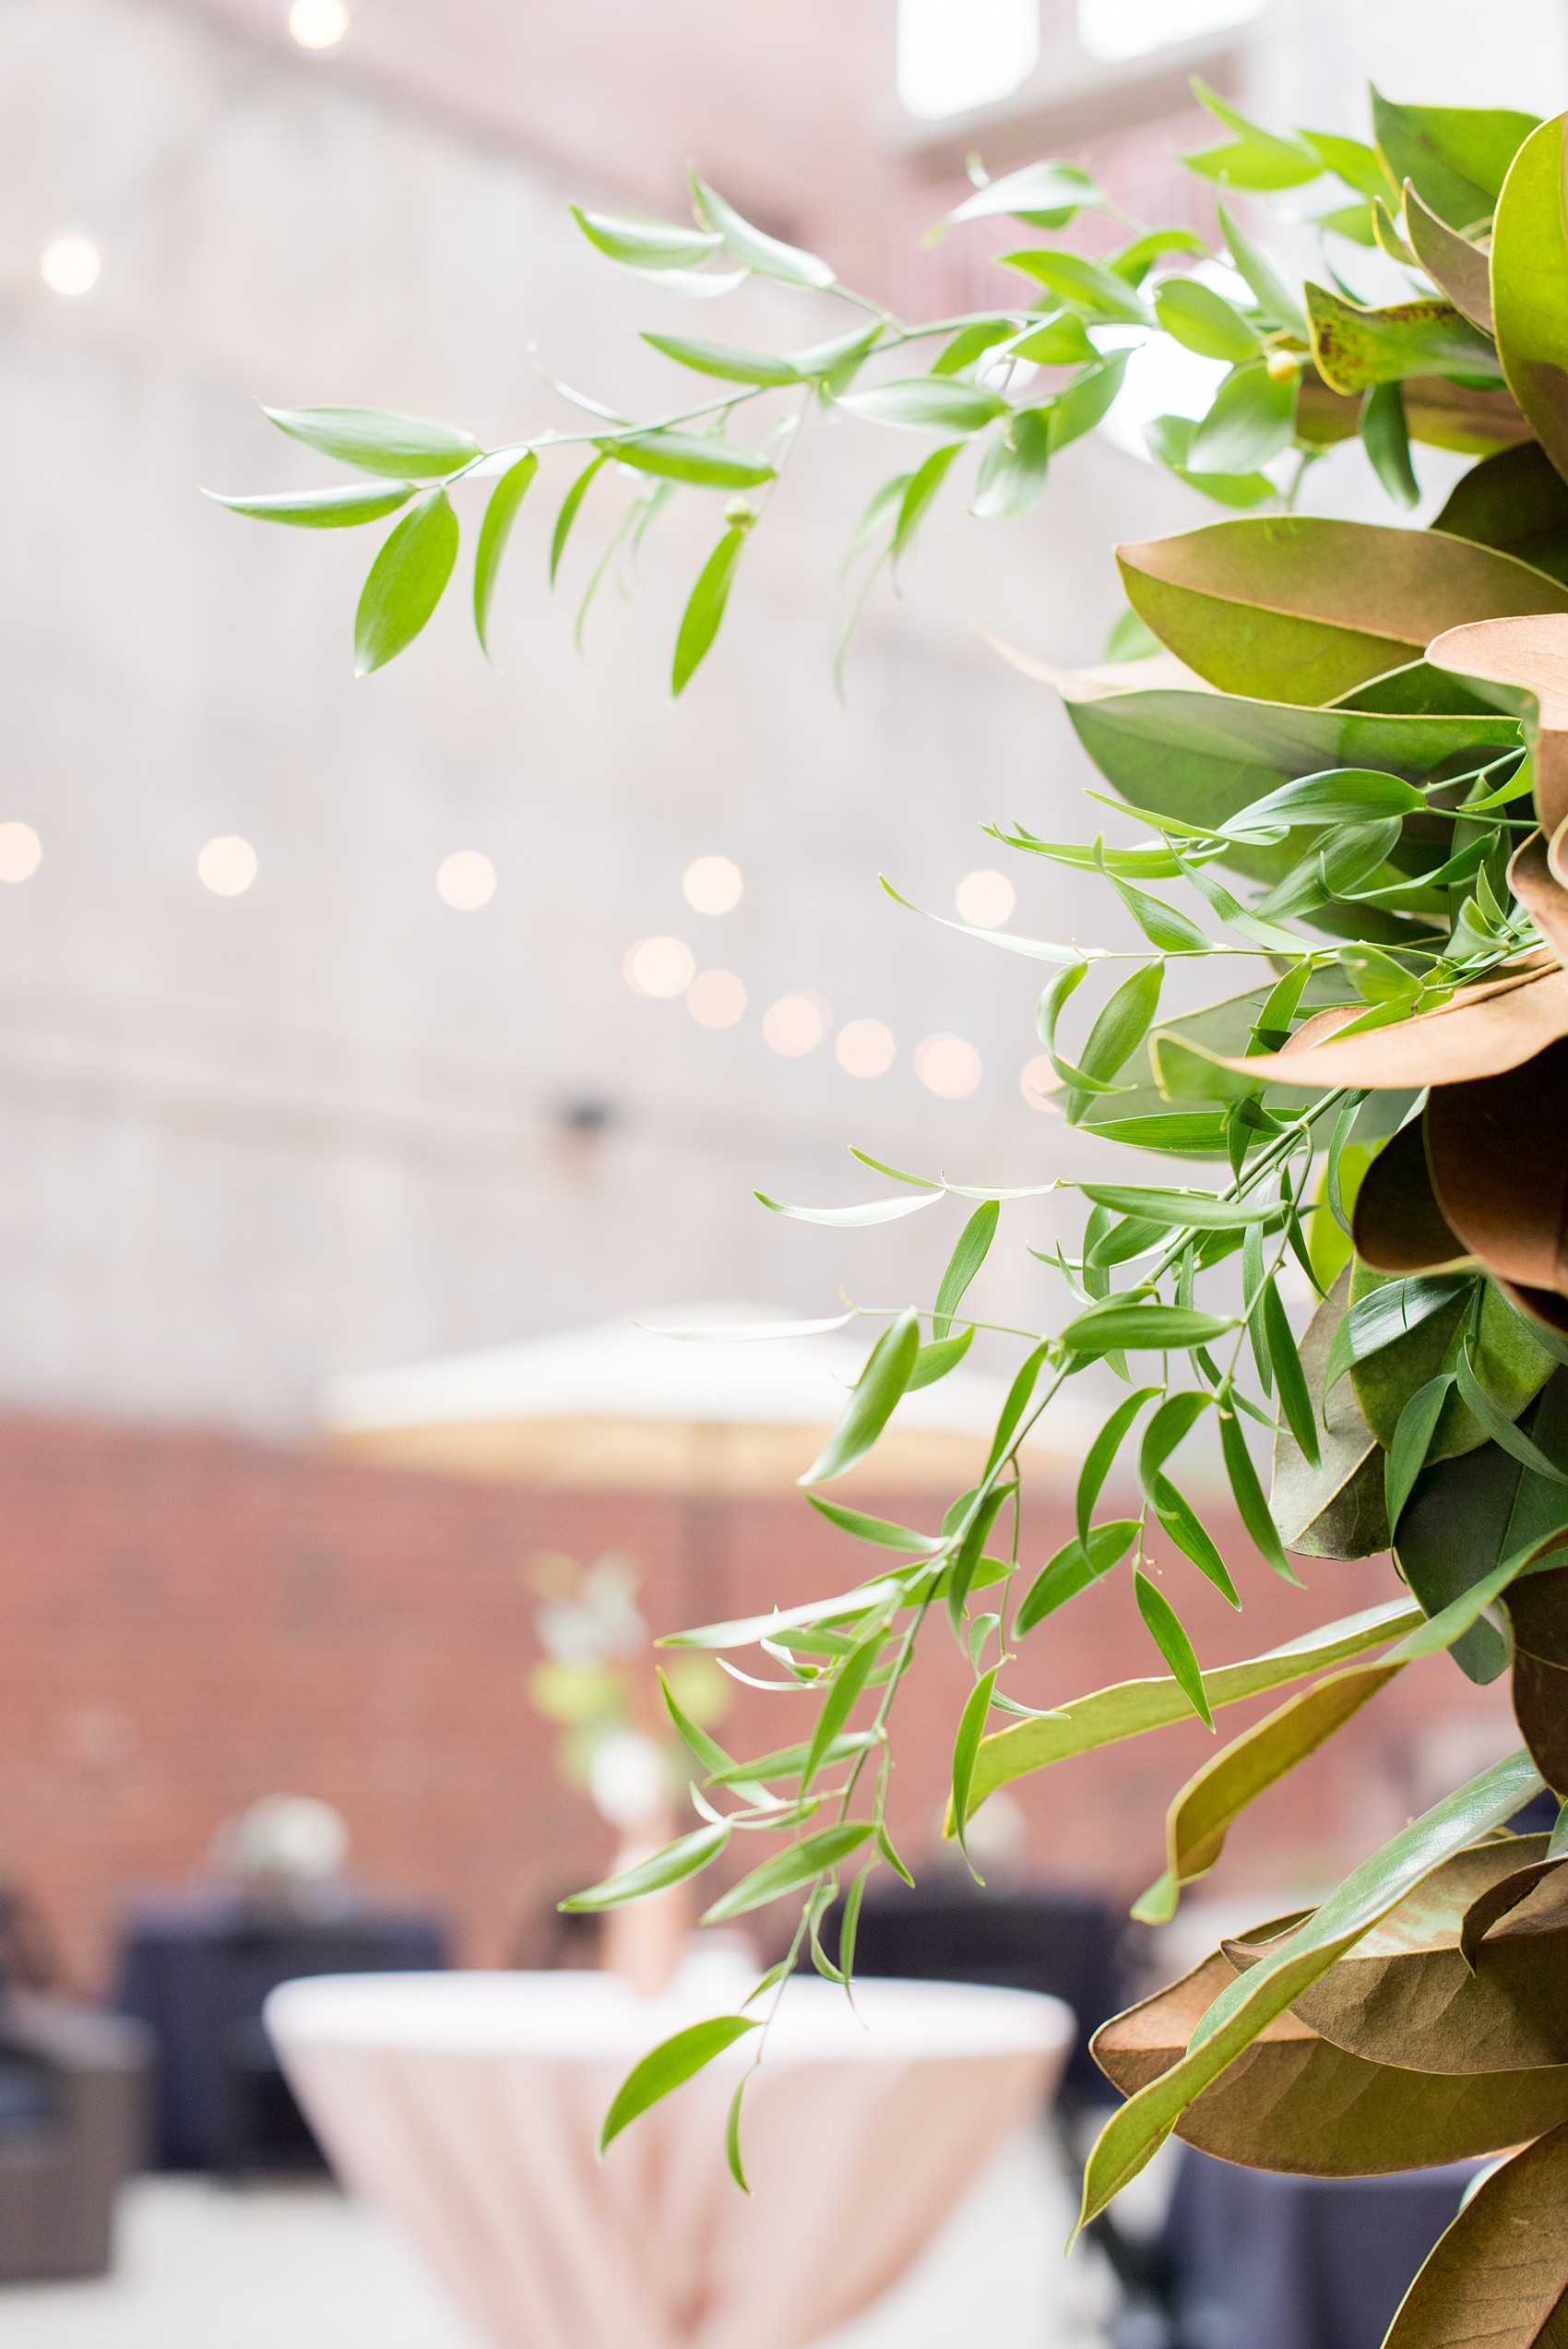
(1117, 29)
(953, 54)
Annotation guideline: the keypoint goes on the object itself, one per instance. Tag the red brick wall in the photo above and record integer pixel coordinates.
(188, 1620)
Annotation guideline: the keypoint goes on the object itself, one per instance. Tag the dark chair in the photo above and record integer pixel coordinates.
(1067, 1944)
(74, 2109)
(199, 1972)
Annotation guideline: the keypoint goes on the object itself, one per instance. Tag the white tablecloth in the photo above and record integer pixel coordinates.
(468, 2106)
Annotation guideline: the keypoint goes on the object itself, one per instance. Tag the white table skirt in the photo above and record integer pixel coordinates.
(468, 2106)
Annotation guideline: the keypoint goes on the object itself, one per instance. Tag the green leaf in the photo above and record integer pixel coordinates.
(1357, 164)
(1207, 1807)
(1185, 1528)
(871, 1404)
(1100, 1456)
(1387, 438)
(789, 1761)
(1135, 260)
(699, 621)
(645, 243)
(570, 505)
(934, 1362)
(1088, 400)
(1183, 1210)
(1257, 158)
(836, 363)
(725, 360)
(378, 441)
(1168, 1427)
(848, 1923)
(670, 2065)
(878, 1529)
(1018, 1402)
(852, 1218)
(838, 1704)
(320, 509)
(1039, 187)
(974, 1246)
(966, 1746)
(672, 1866)
(1142, 1328)
(926, 403)
(1165, 1630)
(1517, 501)
(1204, 321)
(917, 499)
(848, 1609)
(1457, 155)
(972, 342)
(1075, 1565)
(733, 2133)
(765, 255)
(1280, 308)
(1356, 348)
(1251, 1506)
(406, 582)
(1252, 419)
(1529, 287)
(702, 459)
(1304, 609)
(1294, 1394)
(1499, 1425)
(1095, 292)
(787, 1870)
(1460, 270)
(1013, 471)
(1061, 342)
(1407, 1455)
(1339, 796)
(494, 530)
(1160, 924)
(1386, 1313)
(1267, 1988)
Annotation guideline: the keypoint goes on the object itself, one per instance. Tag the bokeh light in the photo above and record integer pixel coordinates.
(227, 865)
(985, 899)
(947, 1066)
(716, 998)
(659, 967)
(466, 881)
(21, 851)
(712, 884)
(795, 1025)
(70, 265)
(317, 24)
(1039, 1080)
(864, 1048)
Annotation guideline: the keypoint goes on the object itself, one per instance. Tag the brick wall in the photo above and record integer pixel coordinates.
(189, 1620)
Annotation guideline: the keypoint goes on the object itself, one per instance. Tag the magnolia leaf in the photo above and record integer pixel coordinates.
(406, 582)
(1481, 1031)
(1537, 889)
(321, 509)
(787, 1870)
(1355, 348)
(1501, 2271)
(1529, 285)
(1204, 1810)
(1133, 1706)
(1499, 1157)
(765, 255)
(670, 2065)
(672, 1866)
(1328, 604)
(1292, 2100)
(1457, 155)
(1524, 658)
(1334, 1508)
(1463, 270)
(1397, 1223)
(1517, 501)
(1537, 1610)
(872, 1403)
(1256, 1998)
(1408, 1995)
(378, 441)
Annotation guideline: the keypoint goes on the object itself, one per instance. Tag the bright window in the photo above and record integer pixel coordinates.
(1115, 29)
(953, 54)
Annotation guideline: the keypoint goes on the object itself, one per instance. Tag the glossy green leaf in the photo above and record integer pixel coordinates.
(668, 2067)
(1133, 1707)
(1088, 400)
(702, 459)
(1061, 342)
(1460, 269)
(1279, 307)
(705, 610)
(1499, 1423)
(1385, 436)
(1300, 608)
(1013, 471)
(787, 1870)
(972, 342)
(1516, 501)
(1162, 925)
(788, 1762)
(1142, 1328)
(320, 509)
(1457, 155)
(872, 1403)
(684, 1857)
(646, 243)
(1256, 158)
(852, 1218)
(379, 441)
(934, 1362)
(1095, 292)
(926, 403)
(1074, 1566)
(1386, 1313)
(570, 507)
(1185, 1528)
(765, 255)
(406, 582)
(878, 1529)
(838, 1704)
(1252, 420)
(495, 529)
(919, 496)
(1530, 288)
(1357, 164)
(1168, 1427)
(732, 2134)
(1207, 1807)
(1165, 1629)
(973, 1246)
(1039, 187)
(1204, 321)
(1407, 1455)
(1294, 1394)
(966, 1745)
(1183, 1210)
(1100, 1458)
(1247, 1493)
(725, 360)
(1252, 2002)
(848, 1609)
(1135, 260)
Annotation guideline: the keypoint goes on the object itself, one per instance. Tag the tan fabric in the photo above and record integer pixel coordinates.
(467, 2107)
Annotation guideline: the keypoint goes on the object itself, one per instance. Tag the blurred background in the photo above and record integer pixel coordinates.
(349, 1025)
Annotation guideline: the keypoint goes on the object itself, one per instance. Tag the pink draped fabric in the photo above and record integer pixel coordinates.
(467, 2107)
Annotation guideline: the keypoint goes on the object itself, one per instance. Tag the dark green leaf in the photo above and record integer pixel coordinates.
(1294, 1394)
(1497, 1421)
(405, 583)
(702, 459)
(677, 1861)
(1191, 1536)
(699, 621)
(870, 1405)
(1386, 1313)
(1251, 1506)
(496, 529)
(787, 1870)
(1407, 1455)
(1165, 1630)
(974, 1244)
(320, 509)
(1387, 438)
(670, 2065)
(1101, 1454)
(1183, 1210)
(378, 441)
(1142, 1328)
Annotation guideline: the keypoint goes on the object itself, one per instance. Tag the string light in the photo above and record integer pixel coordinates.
(21, 851)
(70, 265)
(465, 881)
(227, 865)
(317, 24)
(985, 899)
(947, 1066)
(865, 1048)
(712, 884)
(659, 967)
(716, 998)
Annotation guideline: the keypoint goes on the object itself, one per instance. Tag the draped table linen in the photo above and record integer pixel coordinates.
(468, 2106)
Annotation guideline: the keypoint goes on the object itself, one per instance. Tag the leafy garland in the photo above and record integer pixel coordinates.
(1365, 730)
